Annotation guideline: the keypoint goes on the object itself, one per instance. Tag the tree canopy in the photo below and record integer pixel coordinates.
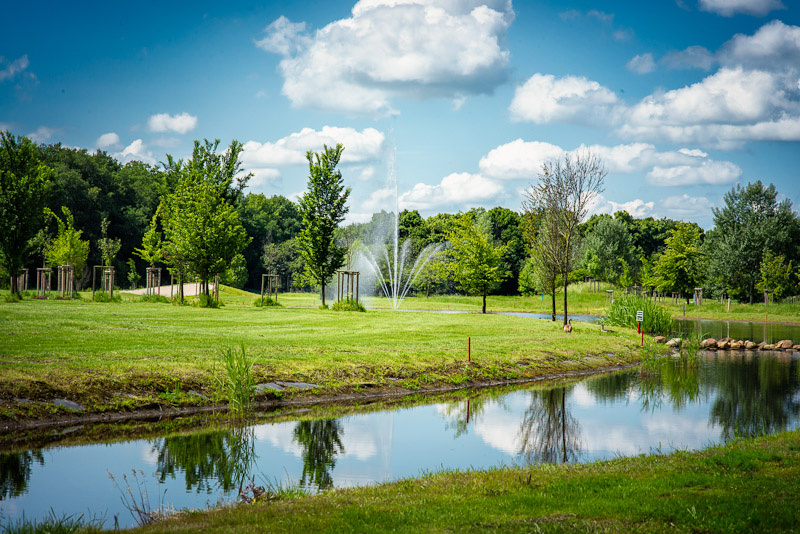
(24, 183)
(323, 206)
(475, 262)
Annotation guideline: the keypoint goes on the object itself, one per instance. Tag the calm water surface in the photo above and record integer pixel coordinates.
(679, 407)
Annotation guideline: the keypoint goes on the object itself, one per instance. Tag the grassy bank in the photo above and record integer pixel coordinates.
(747, 486)
(131, 354)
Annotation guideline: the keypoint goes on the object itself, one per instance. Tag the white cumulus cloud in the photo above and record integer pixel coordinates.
(390, 48)
(544, 98)
(684, 207)
(137, 150)
(708, 172)
(728, 8)
(106, 140)
(164, 122)
(42, 134)
(641, 64)
(361, 150)
(519, 159)
(753, 96)
(455, 189)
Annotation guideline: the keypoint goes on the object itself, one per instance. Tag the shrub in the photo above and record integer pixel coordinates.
(623, 313)
(348, 305)
(155, 298)
(102, 296)
(267, 302)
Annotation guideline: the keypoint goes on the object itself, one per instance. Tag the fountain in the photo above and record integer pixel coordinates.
(391, 275)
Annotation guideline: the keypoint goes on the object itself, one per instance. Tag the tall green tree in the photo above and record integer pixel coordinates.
(608, 250)
(751, 222)
(681, 267)
(323, 207)
(202, 231)
(24, 182)
(67, 248)
(564, 192)
(475, 263)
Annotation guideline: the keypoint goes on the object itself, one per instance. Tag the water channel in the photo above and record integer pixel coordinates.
(727, 395)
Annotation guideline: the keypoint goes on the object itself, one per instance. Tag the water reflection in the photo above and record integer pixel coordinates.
(548, 431)
(209, 461)
(15, 471)
(677, 405)
(321, 441)
(756, 396)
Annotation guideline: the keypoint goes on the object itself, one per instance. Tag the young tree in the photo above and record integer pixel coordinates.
(563, 194)
(133, 274)
(202, 230)
(543, 265)
(24, 183)
(476, 264)
(681, 267)
(322, 207)
(108, 247)
(776, 274)
(152, 250)
(67, 248)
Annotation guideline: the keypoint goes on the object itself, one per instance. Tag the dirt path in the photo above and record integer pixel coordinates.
(189, 290)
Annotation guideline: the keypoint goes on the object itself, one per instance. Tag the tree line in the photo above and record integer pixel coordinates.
(64, 205)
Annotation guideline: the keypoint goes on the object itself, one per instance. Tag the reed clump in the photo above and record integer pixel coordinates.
(622, 312)
(235, 381)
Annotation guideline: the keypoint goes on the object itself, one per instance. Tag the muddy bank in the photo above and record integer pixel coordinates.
(105, 425)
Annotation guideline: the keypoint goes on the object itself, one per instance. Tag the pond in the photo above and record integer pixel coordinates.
(681, 406)
(754, 331)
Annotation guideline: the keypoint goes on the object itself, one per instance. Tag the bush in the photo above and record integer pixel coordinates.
(155, 298)
(206, 301)
(348, 305)
(623, 313)
(102, 296)
(267, 302)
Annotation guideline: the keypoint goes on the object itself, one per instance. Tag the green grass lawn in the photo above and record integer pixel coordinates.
(747, 486)
(92, 352)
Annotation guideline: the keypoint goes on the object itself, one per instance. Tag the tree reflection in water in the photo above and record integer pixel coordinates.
(209, 460)
(756, 395)
(15, 471)
(752, 394)
(548, 432)
(322, 442)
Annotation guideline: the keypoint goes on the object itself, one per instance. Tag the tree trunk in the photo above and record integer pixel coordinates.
(484, 300)
(553, 297)
(566, 283)
(323, 293)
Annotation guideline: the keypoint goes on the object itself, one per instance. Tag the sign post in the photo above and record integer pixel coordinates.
(639, 319)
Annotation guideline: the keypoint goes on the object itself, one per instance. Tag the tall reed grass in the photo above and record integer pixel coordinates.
(235, 381)
(622, 312)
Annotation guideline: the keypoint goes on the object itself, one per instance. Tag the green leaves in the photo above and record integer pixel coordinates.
(475, 262)
(24, 183)
(323, 207)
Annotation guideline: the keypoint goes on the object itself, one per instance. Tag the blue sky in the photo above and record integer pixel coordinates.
(681, 99)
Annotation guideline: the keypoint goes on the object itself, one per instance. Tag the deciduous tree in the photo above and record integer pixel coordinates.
(24, 182)
(475, 262)
(323, 206)
(750, 222)
(563, 194)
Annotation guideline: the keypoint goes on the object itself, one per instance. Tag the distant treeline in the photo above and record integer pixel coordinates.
(755, 244)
